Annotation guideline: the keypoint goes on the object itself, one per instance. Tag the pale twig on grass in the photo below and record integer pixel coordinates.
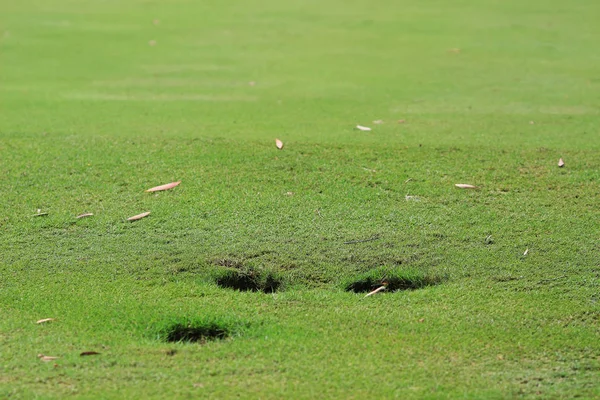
(465, 186)
(139, 216)
(84, 215)
(379, 289)
(43, 321)
(47, 358)
(164, 187)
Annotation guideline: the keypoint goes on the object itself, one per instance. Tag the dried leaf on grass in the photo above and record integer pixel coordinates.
(84, 215)
(561, 163)
(465, 186)
(47, 358)
(139, 216)
(363, 128)
(89, 353)
(279, 144)
(43, 321)
(164, 187)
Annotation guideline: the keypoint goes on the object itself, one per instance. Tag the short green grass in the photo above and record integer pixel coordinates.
(102, 100)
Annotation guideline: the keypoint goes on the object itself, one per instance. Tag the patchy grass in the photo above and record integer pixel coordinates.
(103, 100)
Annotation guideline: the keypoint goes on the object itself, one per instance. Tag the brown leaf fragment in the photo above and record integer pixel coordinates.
(47, 358)
(422, 320)
(379, 289)
(88, 353)
(152, 42)
(465, 186)
(363, 128)
(561, 163)
(164, 187)
(43, 321)
(279, 144)
(84, 215)
(401, 121)
(139, 216)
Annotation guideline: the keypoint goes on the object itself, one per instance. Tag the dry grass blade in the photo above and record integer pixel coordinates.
(84, 215)
(89, 353)
(526, 251)
(40, 214)
(139, 216)
(43, 321)
(561, 163)
(164, 187)
(47, 358)
(279, 144)
(363, 128)
(465, 186)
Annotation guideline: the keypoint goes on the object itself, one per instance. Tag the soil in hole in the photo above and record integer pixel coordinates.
(196, 332)
(249, 280)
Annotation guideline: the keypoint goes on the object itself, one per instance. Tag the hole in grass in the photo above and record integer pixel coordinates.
(392, 280)
(196, 332)
(249, 280)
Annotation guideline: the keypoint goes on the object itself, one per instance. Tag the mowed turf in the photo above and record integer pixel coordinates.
(102, 100)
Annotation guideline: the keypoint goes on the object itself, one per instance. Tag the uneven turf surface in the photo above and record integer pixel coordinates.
(249, 279)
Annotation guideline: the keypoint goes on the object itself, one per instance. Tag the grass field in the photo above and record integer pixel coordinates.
(102, 100)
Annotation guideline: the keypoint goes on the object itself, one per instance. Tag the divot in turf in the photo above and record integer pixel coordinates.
(249, 280)
(393, 280)
(200, 332)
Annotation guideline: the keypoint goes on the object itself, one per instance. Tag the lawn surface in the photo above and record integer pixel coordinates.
(102, 100)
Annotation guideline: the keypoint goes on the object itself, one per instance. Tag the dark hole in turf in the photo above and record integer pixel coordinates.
(196, 333)
(249, 281)
(392, 283)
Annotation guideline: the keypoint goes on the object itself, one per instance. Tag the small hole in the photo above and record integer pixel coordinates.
(192, 333)
(392, 280)
(249, 280)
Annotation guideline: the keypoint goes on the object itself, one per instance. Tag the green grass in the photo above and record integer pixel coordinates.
(492, 93)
